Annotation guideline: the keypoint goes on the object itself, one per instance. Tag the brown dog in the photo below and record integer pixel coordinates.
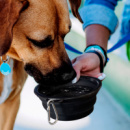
(34, 31)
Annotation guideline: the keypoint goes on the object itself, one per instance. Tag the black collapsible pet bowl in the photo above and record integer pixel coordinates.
(70, 101)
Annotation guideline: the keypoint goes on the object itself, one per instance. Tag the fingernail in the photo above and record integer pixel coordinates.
(74, 80)
(102, 77)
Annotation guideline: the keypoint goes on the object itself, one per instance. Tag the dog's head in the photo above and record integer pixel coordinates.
(37, 29)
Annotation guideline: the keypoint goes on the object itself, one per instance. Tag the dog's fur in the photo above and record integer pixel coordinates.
(32, 32)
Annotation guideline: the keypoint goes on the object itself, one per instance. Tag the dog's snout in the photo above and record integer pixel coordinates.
(65, 73)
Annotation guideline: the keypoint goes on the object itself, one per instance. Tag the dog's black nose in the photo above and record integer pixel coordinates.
(61, 75)
(65, 73)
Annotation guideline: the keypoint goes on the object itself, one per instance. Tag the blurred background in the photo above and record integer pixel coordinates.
(112, 109)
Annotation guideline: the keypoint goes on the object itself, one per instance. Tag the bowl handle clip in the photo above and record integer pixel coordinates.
(49, 103)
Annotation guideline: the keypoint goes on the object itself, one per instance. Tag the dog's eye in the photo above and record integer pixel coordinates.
(47, 42)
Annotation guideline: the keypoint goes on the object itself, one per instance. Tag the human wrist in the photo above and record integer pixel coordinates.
(98, 49)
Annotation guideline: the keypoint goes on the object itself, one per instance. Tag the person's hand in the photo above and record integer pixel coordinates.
(87, 64)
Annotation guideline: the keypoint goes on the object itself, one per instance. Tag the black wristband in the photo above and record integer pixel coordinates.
(100, 58)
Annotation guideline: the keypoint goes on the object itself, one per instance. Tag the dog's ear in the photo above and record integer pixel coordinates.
(75, 4)
(9, 14)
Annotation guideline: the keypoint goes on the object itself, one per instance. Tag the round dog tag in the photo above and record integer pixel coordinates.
(5, 69)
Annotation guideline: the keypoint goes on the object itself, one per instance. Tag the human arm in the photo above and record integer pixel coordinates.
(97, 29)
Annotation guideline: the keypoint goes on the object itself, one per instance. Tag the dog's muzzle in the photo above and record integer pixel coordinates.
(64, 74)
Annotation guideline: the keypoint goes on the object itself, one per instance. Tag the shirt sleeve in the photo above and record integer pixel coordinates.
(99, 12)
